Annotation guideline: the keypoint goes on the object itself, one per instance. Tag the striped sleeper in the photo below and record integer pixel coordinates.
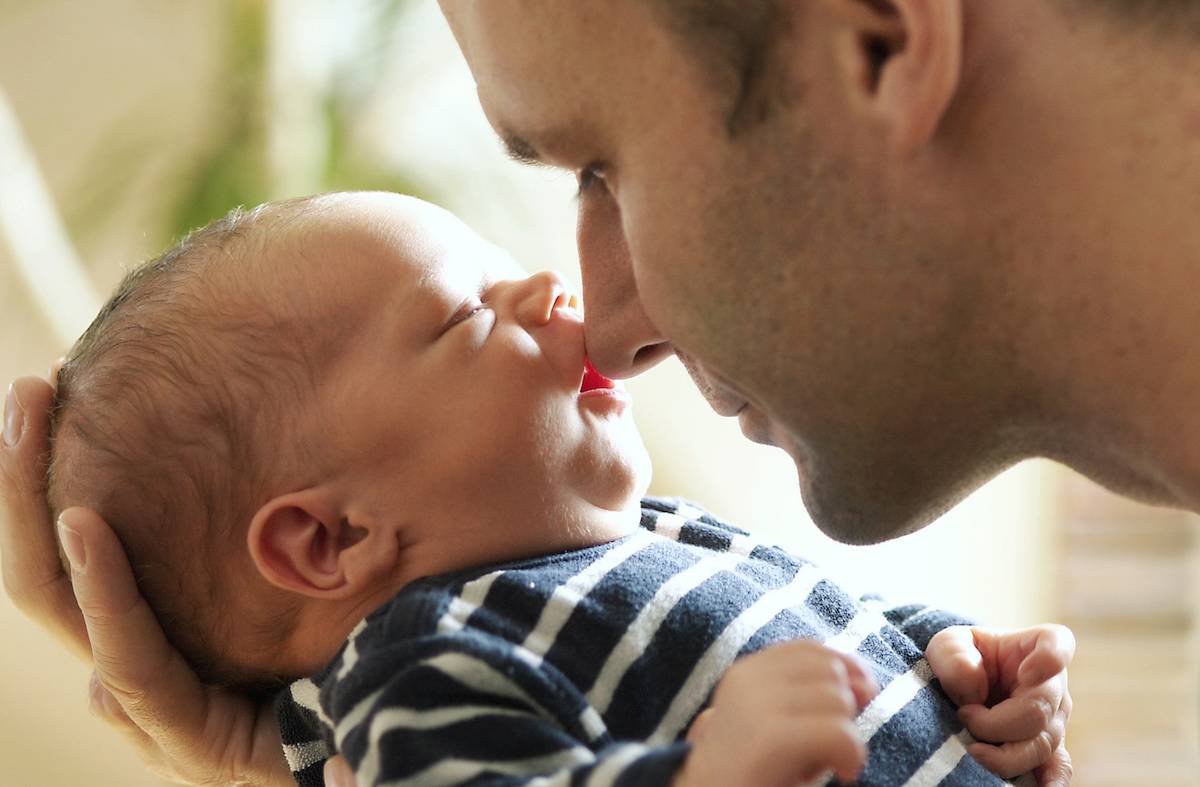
(587, 667)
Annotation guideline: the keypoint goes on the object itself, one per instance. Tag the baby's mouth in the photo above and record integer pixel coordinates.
(593, 380)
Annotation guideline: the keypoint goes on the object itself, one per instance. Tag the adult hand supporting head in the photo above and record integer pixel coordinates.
(184, 730)
(33, 574)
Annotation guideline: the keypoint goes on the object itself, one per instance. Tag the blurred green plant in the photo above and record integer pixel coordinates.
(233, 171)
(233, 168)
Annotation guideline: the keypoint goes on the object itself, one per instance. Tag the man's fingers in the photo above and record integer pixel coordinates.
(132, 657)
(33, 573)
(104, 705)
(955, 659)
(1058, 771)
(1053, 650)
(55, 368)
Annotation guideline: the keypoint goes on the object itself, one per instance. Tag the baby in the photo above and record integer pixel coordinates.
(343, 437)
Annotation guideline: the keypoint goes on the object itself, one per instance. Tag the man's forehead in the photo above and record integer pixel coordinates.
(544, 69)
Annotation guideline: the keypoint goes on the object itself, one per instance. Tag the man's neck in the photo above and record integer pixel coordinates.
(1127, 278)
(1100, 132)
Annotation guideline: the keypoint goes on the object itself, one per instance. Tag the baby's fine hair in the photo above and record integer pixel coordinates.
(168, 422)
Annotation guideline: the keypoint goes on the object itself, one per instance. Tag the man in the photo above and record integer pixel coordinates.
(909, 241)
(908, 262)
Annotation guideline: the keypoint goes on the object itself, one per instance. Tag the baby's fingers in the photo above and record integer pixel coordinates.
(699, 725)
(338, 773)
(955, 659)
(862, 683)
(1016, 719)
(1057, 772)
(1012, 759)
(1052, 653)
(831, 746)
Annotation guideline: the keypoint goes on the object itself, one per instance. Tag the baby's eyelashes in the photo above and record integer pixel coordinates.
(466, 310)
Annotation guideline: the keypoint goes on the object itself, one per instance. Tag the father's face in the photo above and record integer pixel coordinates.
(723, 219)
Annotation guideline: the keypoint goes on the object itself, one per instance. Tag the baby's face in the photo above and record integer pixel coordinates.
(453, 390)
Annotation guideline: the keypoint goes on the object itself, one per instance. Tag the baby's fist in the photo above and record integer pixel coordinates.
(1011, 687)
(781, 716)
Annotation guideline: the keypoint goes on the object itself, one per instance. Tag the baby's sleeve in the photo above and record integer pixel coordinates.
(300, 731)
(919, 622)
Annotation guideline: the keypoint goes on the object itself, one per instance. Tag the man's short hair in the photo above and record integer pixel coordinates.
(733, 39)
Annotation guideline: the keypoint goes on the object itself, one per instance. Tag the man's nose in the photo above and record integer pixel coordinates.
(537, 296)
(621, 340)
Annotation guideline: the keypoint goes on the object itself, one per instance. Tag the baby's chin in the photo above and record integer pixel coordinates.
(622, 476)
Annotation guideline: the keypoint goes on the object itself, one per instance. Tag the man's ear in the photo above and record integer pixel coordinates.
(305, 543)
(903, 61)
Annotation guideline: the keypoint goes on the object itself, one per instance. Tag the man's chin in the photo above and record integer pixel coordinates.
(757, 427)
(855, 518)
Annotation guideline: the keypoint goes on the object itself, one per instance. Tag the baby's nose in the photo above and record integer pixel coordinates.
(540, 295)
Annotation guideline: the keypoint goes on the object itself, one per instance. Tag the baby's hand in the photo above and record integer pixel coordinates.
(1011, 688)
(781, 716)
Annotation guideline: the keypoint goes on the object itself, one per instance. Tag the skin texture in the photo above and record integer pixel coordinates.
(905, 253)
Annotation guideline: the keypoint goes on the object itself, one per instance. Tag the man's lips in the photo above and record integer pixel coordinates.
(720, 397)
(593, 380)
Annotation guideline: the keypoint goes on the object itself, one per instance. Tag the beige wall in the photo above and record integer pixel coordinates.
(104, 86)
(99, 87)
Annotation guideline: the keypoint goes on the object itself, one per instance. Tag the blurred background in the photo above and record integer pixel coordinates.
(124, 123)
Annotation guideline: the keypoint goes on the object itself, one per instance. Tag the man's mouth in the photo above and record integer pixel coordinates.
(720, 397)
(593, 380)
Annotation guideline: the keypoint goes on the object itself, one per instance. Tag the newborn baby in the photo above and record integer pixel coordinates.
(343, 437)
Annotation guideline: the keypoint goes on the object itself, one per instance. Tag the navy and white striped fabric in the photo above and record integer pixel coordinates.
(587, 667)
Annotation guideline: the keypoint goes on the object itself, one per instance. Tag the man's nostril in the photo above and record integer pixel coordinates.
(650, 354)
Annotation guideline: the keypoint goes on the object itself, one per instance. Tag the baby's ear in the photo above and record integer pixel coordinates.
(303, 542)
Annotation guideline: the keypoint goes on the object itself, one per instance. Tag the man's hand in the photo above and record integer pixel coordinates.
(1011, 688)
(33, 574)
(185, 731)
(781, 716)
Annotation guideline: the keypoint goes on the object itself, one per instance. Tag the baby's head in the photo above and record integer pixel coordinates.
(304, 407)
